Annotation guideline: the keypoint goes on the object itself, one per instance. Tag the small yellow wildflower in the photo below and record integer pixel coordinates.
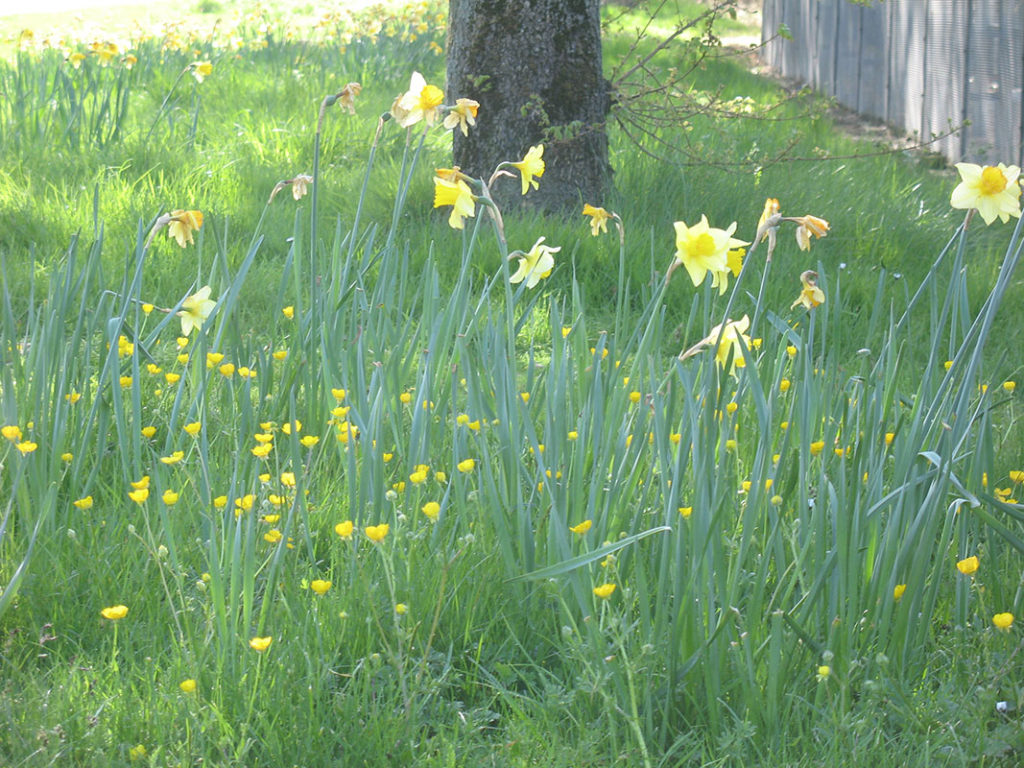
(260, 644)
(320, 586)
(114, 612)
(583, 527)
(968, 565)
(193, 428)
(344, 529)
(898, 590)
(604, 591)
(83, 503)
(1003, 620)
(466, 465)
(187, 686)
(376, 533)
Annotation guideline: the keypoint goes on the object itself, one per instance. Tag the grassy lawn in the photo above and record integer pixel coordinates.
(384, 506)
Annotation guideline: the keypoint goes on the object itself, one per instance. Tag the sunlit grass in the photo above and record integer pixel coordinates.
(382, 506)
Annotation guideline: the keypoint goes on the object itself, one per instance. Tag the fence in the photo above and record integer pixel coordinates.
(921, 65)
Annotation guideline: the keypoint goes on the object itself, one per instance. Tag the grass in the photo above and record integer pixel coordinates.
(755, 526)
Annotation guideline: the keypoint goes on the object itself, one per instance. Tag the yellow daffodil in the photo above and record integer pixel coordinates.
(531, 165)
(450, 189)
(811, 295)
(598, 219)
(182, 224)
(604, 591)
(765, 225)
(463, 115)
(993, 190)
(114, 612)
(195, 310)
(201, 70)
(807, 226)
(702, 249)
(968, 565)
(730, 343)
(535, 265)
(420, 102)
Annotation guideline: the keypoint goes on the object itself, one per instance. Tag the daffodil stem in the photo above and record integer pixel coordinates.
(163, 104)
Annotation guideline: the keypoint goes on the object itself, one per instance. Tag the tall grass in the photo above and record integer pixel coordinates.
(756, 526)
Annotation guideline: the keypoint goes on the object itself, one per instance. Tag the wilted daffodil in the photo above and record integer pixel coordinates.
(463, 115)
(195, 309)
(535, 265)
(346, 97)
(182, 224)
(598, 219)
(811, 295)
(450, 189)
(420, 102)
(807, 226)
(530, 166)
(993, 190)
(702, 249)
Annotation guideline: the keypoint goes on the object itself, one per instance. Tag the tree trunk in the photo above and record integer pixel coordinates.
(535, 68)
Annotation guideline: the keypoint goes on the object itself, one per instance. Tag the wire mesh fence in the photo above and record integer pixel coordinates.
(926, 66)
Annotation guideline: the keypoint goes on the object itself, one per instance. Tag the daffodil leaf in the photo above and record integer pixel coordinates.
(580, 560)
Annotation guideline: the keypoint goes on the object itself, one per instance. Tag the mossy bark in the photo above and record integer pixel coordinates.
(535, 68)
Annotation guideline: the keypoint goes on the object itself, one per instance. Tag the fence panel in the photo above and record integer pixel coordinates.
(921, 65)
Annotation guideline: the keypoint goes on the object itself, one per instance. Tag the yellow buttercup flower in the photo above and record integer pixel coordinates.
(968, 565)
(344, 529)
(193, 428)
(604, 591)
(582, 528)
(817, 447)
(451, 190)
(320, 586)
(466, 465)
(811, 295)
(531, 165)
(187, 686)
(114, 612)
(170, 498)
(898, 590)
(260, 644)
(431, 510)
(993, 190)
(139, 495)
(182, 224)
(376, 533)
(195, 310)
(702, 249)
(12, 432)
(1003, 620)
(463, 115)
(83, 503)
(598, 219)
(535, 265)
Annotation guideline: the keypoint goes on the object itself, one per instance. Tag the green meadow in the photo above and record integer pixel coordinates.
(294, 472)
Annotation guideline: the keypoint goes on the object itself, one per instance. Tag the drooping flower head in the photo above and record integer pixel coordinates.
(182, 224)
(450, 189)
(530, 166)
(598, 219)
(993, 190)
(195, 309)
(463, 115)
(346, 97)
(807, 226)
(420, 102)
(535, 265)
(702, 249)
(730, 343)
(811, 295)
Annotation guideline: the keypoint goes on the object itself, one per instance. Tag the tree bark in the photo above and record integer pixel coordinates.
(535, 68)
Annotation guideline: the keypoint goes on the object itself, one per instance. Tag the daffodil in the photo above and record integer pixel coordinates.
(598, 219)
(300, 185)
(531, 165)
(195, 310)
(463, 115)
(535, 265)
(807, 226)
(201, 70)
(993, 190)
(729, 344)
(182, 224)
(346, 97)
(450, 189)
(420, 102)
(811, 295)
(702, 249)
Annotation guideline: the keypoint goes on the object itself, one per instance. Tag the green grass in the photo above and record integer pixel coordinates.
(842, 461)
